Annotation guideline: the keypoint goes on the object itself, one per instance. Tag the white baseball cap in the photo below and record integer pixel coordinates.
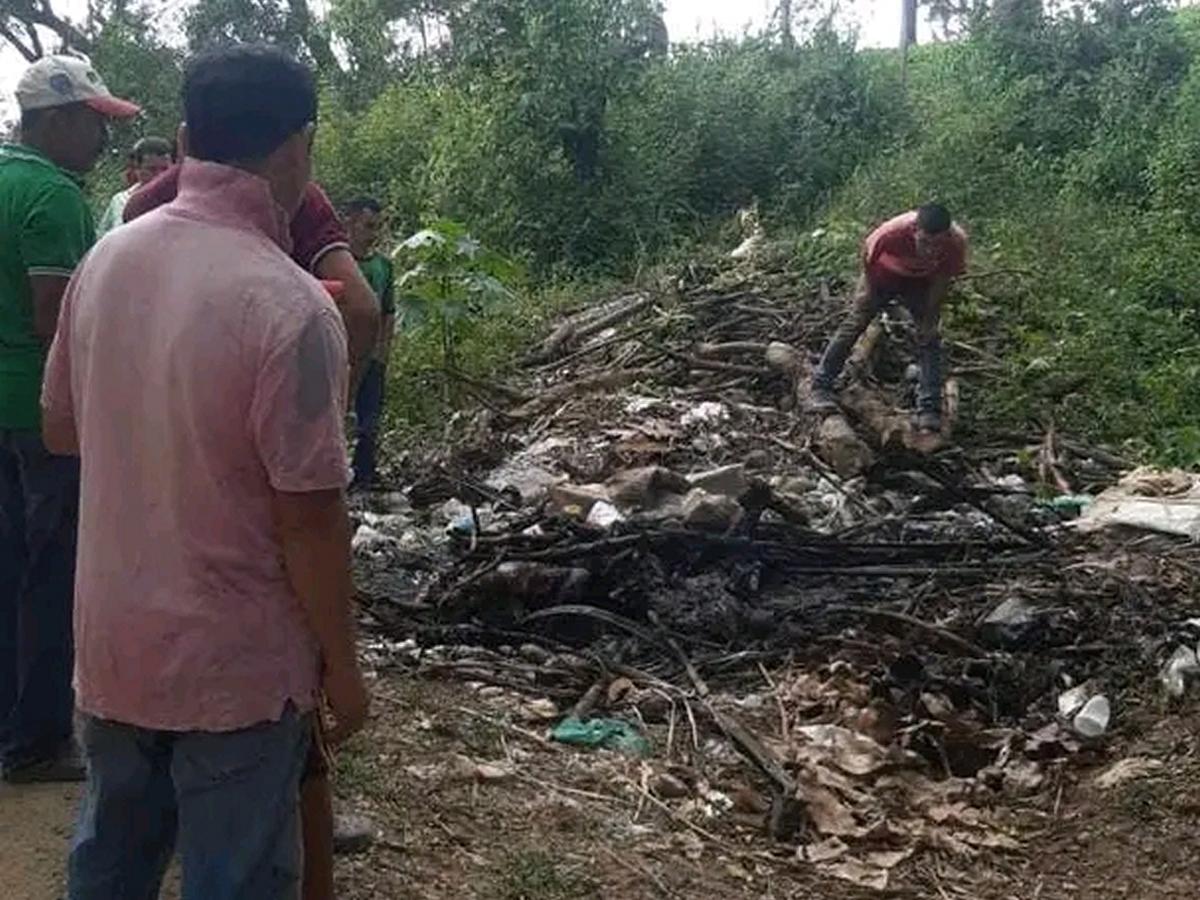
(62, 80)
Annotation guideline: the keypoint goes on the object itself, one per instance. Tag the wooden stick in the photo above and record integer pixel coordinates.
(742, 737)
(949, 637)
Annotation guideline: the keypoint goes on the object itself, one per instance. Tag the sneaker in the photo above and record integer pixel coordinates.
(352, 834)
(64, 767)
(929, 421)
(821, 400)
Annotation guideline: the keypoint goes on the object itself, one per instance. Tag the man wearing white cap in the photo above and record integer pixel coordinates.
(45, 229)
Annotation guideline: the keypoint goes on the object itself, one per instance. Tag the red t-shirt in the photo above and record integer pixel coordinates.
(890, 252)
(316, 228)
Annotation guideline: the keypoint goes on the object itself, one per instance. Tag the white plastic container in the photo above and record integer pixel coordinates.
(1092, 721)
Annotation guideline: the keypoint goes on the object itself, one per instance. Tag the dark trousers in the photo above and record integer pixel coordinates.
(39, 512)
(869, 301)
(228, 802)
(368, 411)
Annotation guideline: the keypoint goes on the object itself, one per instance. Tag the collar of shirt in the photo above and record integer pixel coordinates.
(33, 155)
(231, 196)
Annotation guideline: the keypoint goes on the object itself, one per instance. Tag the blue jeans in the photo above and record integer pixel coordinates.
(368, 411)
(39, 514)
(229, 800)
(869, 301)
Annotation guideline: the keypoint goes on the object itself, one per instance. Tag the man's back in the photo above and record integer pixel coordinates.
(202, 370)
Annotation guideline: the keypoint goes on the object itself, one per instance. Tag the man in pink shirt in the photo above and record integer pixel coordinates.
(911, 258)
(201, 376)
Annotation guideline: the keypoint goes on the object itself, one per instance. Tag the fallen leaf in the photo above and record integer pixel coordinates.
(954, 812)
(823, 851)
(541, 710)
(670, 787)
(857, 872)
(1022, 777)
(888, 859)
(850, 751)
(1129, 769)
(748, 800)
(738, 871)
(938, 706)
(486, 772)
(828, 814)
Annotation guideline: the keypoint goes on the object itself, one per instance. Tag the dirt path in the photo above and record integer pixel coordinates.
(35, 828)
(560, 825)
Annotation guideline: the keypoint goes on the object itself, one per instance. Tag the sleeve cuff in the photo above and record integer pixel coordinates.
(320, 254)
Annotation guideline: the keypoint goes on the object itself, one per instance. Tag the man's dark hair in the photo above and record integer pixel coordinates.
(933, 218)
(151, 146)
(362, 204)
(242, 102)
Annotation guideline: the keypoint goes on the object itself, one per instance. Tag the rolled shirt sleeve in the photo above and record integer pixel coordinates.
(296, 415)
(316, 229)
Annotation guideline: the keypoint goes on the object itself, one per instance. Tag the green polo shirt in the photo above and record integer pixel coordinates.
(377, 269)
(45, 229)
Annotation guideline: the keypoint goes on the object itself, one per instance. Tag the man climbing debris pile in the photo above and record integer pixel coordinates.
(911, 258)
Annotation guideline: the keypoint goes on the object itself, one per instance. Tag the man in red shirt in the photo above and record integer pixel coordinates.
(911, 258)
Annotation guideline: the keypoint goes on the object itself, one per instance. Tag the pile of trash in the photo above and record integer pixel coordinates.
(647, 538)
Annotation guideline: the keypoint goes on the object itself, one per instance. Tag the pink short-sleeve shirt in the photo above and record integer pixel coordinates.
(202, 370)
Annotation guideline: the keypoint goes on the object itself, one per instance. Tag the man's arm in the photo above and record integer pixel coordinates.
(296, 418)
(314, 529)
(48, 292)
(58, 405)
(358, 306)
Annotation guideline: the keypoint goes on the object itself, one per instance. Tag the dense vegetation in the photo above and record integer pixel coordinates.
(569, 134)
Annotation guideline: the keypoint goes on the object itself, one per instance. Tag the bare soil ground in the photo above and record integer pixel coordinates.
(552, 823)
(569, 824)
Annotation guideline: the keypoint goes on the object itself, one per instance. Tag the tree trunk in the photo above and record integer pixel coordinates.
(908, 24)
(785, 23)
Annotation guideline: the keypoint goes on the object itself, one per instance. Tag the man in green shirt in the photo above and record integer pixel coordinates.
(364, 221)
(45, 229)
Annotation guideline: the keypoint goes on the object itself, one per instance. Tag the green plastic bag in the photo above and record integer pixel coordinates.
(1072, 504)
(610, 734)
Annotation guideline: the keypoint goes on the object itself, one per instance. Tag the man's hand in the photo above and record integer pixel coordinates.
(348, 699)
(314, 530)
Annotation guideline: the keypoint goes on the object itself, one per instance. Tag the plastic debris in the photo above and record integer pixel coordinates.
(367, 539)
(1070, 702)
(1183, 662)
(609, 734)
(604, 515)
(1092, 721)
(1152, 500)
(707, 413)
